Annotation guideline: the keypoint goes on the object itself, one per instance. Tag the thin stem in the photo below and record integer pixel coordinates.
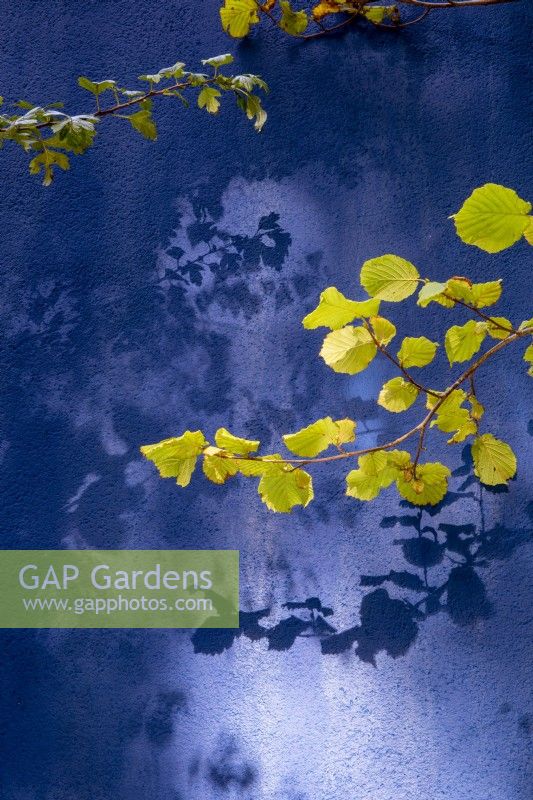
(422, 425)
(480, 314)
(104, 112)
(397, 364)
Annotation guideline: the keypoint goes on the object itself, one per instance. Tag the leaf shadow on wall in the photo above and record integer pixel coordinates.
(444, 565)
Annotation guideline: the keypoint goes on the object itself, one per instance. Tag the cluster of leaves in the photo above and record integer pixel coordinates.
(492, 218)
(52, 136)
(322, 17)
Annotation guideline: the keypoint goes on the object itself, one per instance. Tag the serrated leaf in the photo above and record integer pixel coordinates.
(494, 461)
(492, 218)
(486, 294)
(374, 474)
(46, 161)
(317, 437)
(208, 99)
(528, 358)
(496, 330)
(255, 467)
(142, 122)
(334, 310)
(282, 489)
(432, 292)
(463, 341)
(417, 351)
(384, 331)
(237, 16)
(377, 14)
(389, 277)
(218, 61)
(235, 444)
(452, 417)
(346, 431)
(175, 71)
(218, 468)
(96, 87)
(427, 487)
(397, 395)
(349, 350)
(291, 21)
(528, 231)
(176, 457)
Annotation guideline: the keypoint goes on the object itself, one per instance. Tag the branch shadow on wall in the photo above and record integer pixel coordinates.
(443, 573)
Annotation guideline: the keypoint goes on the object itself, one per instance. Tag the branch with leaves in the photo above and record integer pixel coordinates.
(329, 16)
(52, 136)
(492, 219)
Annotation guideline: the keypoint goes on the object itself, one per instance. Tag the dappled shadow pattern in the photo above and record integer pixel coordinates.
(444, 567)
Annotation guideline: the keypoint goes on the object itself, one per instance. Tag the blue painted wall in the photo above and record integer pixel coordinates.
(161, 286)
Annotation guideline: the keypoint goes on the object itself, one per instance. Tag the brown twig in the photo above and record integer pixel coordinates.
(422, 425)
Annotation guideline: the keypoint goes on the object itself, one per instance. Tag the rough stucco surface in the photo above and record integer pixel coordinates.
(111, 338)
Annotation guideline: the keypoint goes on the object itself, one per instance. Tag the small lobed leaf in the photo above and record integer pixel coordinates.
(349, 350)
(142, 122)
(96, 87)
(282, 488)
(425, 486)
(218, 61)
(317, 437)
(335, 310)
(208, 99)
(417, 351)
(237, 17)
(389, 277)
(291, 21)
(176, 457)
(493, 218)
(397, 395)
(463, 341)
(494, 460)
(384, 331)
(234, 444)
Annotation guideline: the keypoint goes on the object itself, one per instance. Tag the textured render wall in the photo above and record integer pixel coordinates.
(112, 338)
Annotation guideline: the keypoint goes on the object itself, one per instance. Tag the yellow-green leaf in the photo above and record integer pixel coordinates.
(432, 292)
(255, 467)
(326, 7)
(389, 277)
(349, 350)
(374, 474)
(528, 358)
(377, 14)
(452, 417)
(384, 331)
(218, 468)
(427, 487)
(313, 439)
(494, 461)
(462, 341)
(496, 325)
(291, 21)
(397, 395)
(486, 294)
(335, 310)
(234, 444)
(527, 323)
(346, 431)
(176, 457)
(208, 99)
(528, 232)
(492, 218)
(282, 489)
(237, 16)
(417, 352)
